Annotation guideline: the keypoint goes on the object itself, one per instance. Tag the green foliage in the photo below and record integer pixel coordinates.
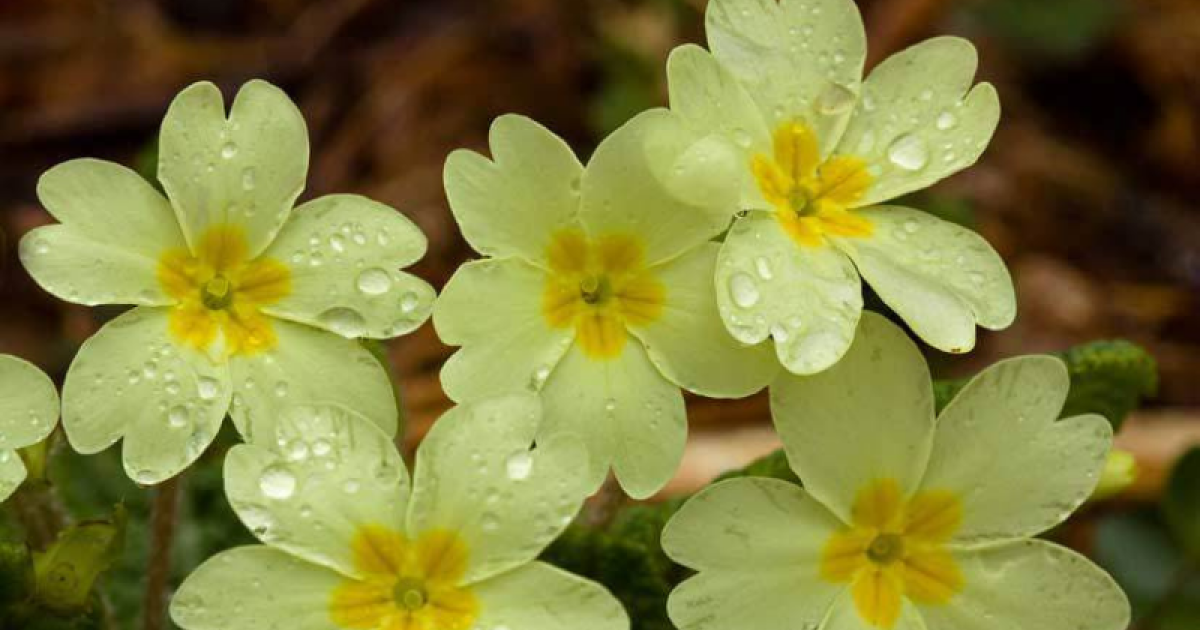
(1107, 377)
(1061, 29)
(1181, 504)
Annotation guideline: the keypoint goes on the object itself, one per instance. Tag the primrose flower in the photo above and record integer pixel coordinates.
(350, 545)
(819, 150)
(598, 292)
(242, 304)
(28, 412)
(904, 521)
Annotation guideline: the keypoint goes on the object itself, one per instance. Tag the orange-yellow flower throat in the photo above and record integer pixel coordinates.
(599, 287)
(811, 197)
(220, 290)
(407, 584)
(895, 549)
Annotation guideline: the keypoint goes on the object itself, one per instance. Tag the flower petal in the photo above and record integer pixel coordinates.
(309, 366)
(749, 524)
(114, 226)
(808, 298)
(493, 309)
(867, 419)
(630, 416)
(129, 380)
(942, 279)
(1033, 585)
(1018, 470)
(916, 122)
(709, 100)
(538, 596)
(512, 204)
(256, 588)
(12, 473)
(244, 170)
(688, 342)
(776, 598)
(798, 59)
(350, 281)
(476, 475)
(314, 482)
(653, 180)
(28, 404)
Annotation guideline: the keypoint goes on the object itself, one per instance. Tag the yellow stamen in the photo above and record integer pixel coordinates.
(406, 584)
(895, 549)
(811, 198)
(220, 290)
(599, 287)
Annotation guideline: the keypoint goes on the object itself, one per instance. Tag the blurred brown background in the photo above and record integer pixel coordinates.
(1090, 190)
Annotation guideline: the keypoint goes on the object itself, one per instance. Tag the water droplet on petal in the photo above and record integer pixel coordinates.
(835, 99)
(374, 281)
(743, 290)
(519, 465)
(763, 266)
(409, 302)
(945, 121)
(343, 321)
(908, 152)
(178, 417)
(229, 150)
(207, 388)
(277, 482)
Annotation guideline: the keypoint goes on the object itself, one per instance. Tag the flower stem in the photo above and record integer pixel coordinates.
(164, 516)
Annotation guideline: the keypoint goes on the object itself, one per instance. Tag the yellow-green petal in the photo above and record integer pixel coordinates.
(493, 309)
(798, 59)
(114, 227)
(688, 342)
(630, 416)
(1018, 470)
(245, 170)
(256, 588)
(710, 100)
(916, 122)
(749, 524)
(28, 413)
(1032, 585)
(28, 403)
(775, 598)
(311, 483)
(478, 475)
(309, 366)
(538, 596)
(807, 299)
(511, 204)
(345, 253)
(942, 279)
(869, 417)
(130, 380)
(655, 180)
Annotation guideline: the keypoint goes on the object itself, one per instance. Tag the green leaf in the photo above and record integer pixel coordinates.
(65, 573)
(1181, 503)
(16, 573)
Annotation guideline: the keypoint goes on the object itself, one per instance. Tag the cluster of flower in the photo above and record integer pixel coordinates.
(695, 238)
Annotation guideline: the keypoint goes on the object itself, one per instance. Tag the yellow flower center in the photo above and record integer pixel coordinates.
(220, 290)
(407, 584)
(896, 549)
(811, 198)
(600, 287)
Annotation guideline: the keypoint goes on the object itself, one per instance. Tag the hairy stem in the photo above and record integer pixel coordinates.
(164, 516)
